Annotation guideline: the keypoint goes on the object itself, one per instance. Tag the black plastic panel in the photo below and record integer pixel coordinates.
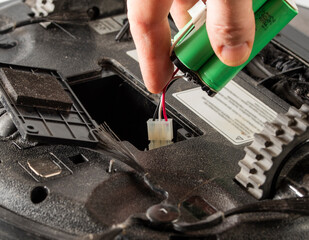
(43, 124)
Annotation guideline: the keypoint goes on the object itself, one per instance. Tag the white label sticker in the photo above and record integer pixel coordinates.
(233, 112)
(133, 54)
(107, 25)
(303, 3)
(120, 18)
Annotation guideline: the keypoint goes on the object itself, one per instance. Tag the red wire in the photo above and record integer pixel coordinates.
(163, 94)
(163, 106)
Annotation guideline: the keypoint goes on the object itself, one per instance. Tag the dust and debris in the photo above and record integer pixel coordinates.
(35, 89)
(282, 74)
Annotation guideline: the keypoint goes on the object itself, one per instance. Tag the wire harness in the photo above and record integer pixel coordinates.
(160, 131)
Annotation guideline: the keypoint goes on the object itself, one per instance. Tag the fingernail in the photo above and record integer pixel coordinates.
(235, 55)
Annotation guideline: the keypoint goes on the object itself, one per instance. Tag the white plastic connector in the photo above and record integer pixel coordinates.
(160, 132)
(43, 8)
(198, 14)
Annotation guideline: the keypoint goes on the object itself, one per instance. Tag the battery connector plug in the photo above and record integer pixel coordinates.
(160, 132)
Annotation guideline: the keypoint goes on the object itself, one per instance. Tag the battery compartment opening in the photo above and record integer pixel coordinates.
(110, 98)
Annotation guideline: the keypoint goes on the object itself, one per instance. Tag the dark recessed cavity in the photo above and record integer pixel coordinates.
(39, 194)
(281, 73)
(125, 109)
(198, 207)
(77, 159)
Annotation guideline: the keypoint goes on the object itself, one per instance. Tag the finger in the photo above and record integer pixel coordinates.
(152, 37)
(231, 26)
(179, 12)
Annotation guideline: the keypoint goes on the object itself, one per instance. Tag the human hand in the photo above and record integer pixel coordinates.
(230, 25)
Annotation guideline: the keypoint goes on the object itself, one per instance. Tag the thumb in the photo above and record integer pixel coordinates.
(231, 26)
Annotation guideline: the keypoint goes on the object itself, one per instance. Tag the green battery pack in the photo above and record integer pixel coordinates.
(194, 55)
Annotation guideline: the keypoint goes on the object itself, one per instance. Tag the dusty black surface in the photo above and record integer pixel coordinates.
(107, 206)
(35, 89)
(87, 199)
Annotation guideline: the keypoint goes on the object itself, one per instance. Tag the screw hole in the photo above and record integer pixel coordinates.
(259, 157)
(39, 194)
(268, 144)
(93, 13)
(188, 135)
(32, 129)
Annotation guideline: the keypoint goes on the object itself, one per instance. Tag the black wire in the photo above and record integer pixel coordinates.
(291, 205)
(272, 78)
(9, 29)
(30, 21)
(171, 83)
(257, 68)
